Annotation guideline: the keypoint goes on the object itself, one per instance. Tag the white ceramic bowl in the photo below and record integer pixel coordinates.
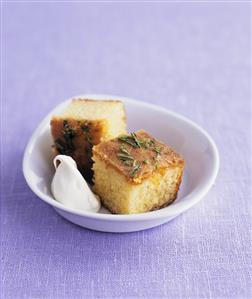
(187, 138)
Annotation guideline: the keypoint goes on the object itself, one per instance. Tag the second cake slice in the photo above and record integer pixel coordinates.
(85, 123)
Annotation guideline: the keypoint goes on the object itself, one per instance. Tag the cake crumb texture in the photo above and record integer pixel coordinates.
(136, 177)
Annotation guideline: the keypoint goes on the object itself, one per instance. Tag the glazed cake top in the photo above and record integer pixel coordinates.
(137, 155)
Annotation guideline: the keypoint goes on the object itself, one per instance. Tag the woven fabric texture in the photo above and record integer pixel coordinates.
(190, 57)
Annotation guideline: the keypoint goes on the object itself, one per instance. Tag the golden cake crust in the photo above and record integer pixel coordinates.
(138, 155)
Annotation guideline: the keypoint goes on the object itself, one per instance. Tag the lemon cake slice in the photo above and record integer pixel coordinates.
(85, 123)
(136, 173)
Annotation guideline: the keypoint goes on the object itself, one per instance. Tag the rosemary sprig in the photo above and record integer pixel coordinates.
(137, 141)
(128, 140)
(157, 149)
(146, 144)
(156, 160)
(125, 156)
(135, 170)
(131, 140)
(128, 162)
(151, 142)
(124, 150)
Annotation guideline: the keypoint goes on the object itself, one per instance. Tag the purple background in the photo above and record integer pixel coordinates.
(193, 58)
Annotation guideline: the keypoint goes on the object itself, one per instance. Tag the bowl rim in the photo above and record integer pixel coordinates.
(171, 211)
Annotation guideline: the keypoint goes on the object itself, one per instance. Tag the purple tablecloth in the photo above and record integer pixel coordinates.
(192, 58)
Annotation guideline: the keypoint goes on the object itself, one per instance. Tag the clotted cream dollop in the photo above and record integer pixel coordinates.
(70, 188)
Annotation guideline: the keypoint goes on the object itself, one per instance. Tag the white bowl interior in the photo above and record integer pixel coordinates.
(185, 137)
